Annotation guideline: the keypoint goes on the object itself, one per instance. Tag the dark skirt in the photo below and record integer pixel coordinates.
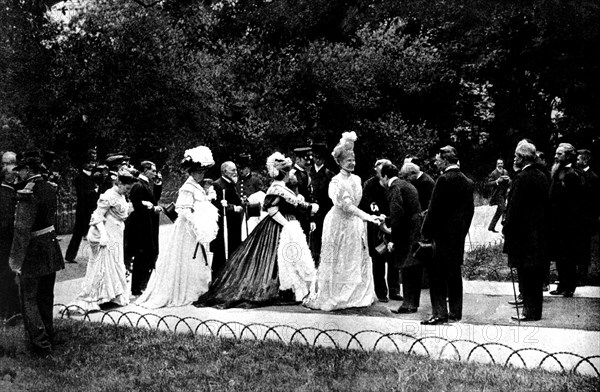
(250, 276)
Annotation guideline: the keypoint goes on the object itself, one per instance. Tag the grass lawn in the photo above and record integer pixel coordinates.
(99, 357)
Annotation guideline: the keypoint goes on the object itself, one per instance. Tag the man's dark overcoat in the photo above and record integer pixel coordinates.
(405, 221)
(141, 236)
(526, 224)
(424, 185)
(449, 216)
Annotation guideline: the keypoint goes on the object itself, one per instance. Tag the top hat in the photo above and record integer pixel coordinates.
(320, 150)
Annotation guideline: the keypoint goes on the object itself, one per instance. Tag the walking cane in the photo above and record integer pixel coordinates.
(225, 233)
(512, 277)
(246, 218)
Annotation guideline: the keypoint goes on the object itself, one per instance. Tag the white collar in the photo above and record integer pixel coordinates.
(144, 178)
(419, 175)
(227, 179)
(451, 167)
(298, 167)
(87, 172)
(585, 169)
(391, 180)
(317, 168)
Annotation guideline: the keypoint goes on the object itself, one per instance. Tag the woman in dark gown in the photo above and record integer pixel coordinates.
(274, 258)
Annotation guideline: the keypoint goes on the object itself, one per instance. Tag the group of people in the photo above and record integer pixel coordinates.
(551, 215)
(324, 240)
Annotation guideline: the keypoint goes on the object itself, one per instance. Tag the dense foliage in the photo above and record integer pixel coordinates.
(259, 75)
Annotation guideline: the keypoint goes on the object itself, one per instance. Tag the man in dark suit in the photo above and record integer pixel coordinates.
(567, 219)
(303, 186)
(525, 230)
(405, 223)
(9, 292)
(320, 177)
(592, 208)
(375, 201)
(142, 226)
(86, 191)
(424, 184)
(447, 223)
(35, 255)
(499, 181)
(229, 200)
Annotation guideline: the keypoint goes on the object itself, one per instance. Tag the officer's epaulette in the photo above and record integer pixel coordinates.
(27, 190)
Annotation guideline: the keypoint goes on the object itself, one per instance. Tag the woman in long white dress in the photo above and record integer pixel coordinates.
(345, 274)
(182, 270)
(105, 277)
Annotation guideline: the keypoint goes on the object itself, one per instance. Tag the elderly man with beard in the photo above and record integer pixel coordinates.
(227, 200)
(525, 230)
(567, 218)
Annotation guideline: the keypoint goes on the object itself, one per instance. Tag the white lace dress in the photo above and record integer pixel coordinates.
(345, 274)
(182, 270)
(105, 277)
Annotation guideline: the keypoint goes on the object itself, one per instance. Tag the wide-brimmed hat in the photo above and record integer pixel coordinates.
(197, 158)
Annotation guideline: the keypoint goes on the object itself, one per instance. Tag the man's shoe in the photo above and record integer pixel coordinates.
(568, 294)
(517, 302)
(435, 321)
(396, 297)
(557, 292)
(402, 310)
(71, 261)
(383, 299)
(523, 318)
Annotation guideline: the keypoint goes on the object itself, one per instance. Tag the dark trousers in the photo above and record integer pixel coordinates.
(497, 215)
(79, 231)
(9, 291)
(37, 300)
(315, 241)
(567, 275)
(141, 271)
(531, 281)
(412, 278)
(445, 281)
(383, 282)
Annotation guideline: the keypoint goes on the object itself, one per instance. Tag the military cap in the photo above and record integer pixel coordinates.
(302, 151)
(244, 160)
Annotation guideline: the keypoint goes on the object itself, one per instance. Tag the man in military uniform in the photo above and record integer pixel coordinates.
(248, 183)
(35, 254)
(9, 293)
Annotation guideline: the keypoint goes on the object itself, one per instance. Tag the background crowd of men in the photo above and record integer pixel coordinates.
(548, 214)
